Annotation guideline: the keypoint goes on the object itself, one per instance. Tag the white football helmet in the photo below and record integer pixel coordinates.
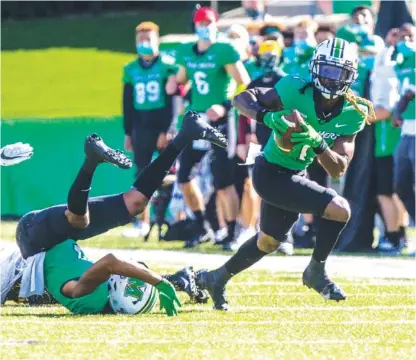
(334, 67)
(130, 295)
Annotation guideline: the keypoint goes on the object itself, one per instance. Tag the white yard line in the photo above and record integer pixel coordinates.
(345, 266)
(56, 322)
(203, 341)
(375, 282)
(302, 294)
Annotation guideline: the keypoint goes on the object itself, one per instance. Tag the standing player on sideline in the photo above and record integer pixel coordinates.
(55, 229)
(149, 81)
(405, 117)
(15, 153)
(333, 116)
(210, 65)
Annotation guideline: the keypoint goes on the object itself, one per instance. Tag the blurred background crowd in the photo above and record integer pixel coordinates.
(206, 198)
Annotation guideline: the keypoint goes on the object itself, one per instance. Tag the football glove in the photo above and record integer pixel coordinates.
(168, 298)
(274, 121)
(309, 136)
(15, 153)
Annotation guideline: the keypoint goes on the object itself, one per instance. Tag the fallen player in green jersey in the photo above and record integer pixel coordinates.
(75, 282)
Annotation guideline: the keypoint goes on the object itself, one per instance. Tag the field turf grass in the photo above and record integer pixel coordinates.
(62, 82)
(273, 317)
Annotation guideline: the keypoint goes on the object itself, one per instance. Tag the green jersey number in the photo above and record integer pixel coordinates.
(201, 84)
(147, 91)
(80, 253)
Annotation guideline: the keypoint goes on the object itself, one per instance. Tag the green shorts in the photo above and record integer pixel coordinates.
(64, 262)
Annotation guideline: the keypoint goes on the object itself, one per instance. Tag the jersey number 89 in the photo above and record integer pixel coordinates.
(150, 90)
(201, 84)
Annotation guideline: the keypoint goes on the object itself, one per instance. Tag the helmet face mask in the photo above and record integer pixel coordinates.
(333, 67)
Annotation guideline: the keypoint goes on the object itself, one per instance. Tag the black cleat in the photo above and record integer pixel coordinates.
(96, 149)
(208, 280)
(184, 280)
(316, 278)
(202, 296)
(194, 128)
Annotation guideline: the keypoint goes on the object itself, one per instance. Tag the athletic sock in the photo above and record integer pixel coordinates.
(327, 235)
(231, 231)
(199, 217)
(151, 178)
(247, 255)
(393, 237)
(80, 189)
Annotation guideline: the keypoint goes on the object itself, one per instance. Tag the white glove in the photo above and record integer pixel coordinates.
(15, 153)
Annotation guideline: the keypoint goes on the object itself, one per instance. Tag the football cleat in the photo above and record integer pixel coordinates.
(184, 280)
(208, 280)
(194, 128)
(202, 296)
(316, 278)
(96, 149)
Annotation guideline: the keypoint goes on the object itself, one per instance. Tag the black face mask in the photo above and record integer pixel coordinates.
(269, 64)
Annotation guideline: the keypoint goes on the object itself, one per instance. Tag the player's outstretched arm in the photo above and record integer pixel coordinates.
(109, 265)
(15, 153)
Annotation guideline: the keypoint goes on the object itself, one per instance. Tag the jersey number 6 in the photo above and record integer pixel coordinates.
(201, 84)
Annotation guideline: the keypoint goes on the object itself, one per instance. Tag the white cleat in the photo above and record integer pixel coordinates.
(286, 248)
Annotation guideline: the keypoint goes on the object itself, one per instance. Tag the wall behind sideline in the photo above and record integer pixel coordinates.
(45, 179)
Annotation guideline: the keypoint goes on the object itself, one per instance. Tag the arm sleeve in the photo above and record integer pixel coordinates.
(243, 129)
(128, 110)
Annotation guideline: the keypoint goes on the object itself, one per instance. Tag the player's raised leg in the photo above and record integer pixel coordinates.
(42, 229)
(107, 212)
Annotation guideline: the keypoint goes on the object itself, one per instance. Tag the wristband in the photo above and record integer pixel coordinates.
(227, 105)
(321, 147)
(260, 115)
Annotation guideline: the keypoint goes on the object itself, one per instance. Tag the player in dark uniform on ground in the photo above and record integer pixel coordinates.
(333, 116)
(76, 283)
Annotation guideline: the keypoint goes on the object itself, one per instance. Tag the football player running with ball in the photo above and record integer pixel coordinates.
(72, 280)
(332, 117)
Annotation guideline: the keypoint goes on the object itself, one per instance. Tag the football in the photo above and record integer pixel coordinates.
(294, 119)
(130, 295)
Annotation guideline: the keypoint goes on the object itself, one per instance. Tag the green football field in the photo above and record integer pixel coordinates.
(273, 317)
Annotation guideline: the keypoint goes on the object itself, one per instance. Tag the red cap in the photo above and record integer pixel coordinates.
(205, 14)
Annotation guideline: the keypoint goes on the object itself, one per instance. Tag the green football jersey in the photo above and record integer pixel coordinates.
(64, 262)
(149, 83)
(386, 138)
(348, 122)
(211, 83)
(406, 75)
(253, 68)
